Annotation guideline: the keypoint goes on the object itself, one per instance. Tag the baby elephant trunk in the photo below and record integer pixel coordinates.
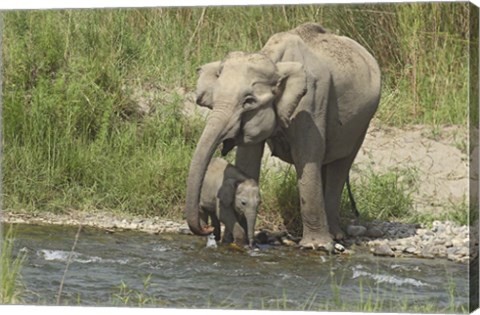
(251, 217)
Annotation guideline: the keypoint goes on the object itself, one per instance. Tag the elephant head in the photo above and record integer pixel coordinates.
(250, 96)
(242, 197)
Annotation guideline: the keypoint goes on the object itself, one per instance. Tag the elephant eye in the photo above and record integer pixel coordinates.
(243, 202)
(249, 102)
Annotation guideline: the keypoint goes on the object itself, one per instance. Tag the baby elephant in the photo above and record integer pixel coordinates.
(231, 197)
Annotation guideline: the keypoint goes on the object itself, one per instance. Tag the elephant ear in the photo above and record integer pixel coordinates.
(226, 193)
(208, 74)
(291, 87)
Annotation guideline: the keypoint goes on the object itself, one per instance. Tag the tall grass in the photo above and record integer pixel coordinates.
(10, 286)
(73, 135)
(423, 52)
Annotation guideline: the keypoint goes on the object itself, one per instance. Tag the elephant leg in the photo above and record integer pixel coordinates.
(335, 176)
(233, 230)
(235, 234)
(249, 159)
(227, 236)
(315, 229)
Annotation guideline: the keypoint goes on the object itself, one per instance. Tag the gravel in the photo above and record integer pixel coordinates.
(442, 240)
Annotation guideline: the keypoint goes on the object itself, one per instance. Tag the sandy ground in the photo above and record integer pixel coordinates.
(438, 160)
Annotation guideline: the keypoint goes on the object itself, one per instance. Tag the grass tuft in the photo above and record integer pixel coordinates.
(10, 266)
(384, 196)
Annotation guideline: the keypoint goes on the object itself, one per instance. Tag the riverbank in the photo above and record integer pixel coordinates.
(431, 172)
(444, 240)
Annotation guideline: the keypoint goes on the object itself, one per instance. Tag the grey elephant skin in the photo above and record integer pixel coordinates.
(310, 95)
(230, 197)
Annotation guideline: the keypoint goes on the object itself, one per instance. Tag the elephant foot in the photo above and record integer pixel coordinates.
(323, 243)
(337, 233)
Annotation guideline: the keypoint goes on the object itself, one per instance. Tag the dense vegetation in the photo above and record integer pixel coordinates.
(75, 139)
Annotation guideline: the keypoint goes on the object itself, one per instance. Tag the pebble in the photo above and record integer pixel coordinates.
(442, 240)
(339, 247)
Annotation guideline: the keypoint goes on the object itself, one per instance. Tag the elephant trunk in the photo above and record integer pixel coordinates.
(209, 140)
(251, 218)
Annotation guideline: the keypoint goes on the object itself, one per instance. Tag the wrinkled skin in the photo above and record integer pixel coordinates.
(308, 94)
(230, 197)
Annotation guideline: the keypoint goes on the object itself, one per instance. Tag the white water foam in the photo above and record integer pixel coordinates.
(379, 278)
(53, 255)
(405, 268)
(63, 256)
(160, 248)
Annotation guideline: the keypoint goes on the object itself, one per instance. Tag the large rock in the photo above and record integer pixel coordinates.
(356, 230)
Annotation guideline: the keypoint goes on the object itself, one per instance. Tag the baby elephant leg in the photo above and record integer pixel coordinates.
(216, 226)
(234, 232)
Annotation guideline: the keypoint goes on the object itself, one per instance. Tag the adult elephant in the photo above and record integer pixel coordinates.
(310, 95)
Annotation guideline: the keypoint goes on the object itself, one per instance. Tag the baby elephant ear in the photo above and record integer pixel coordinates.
(226, 193)
(291, 87)
(208, 74)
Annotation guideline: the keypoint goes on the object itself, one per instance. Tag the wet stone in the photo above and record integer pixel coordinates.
(439, 251)
(383, 250)
(425, 253)
(356, 230)
(410, 250)
(185, 231)
(374, 232)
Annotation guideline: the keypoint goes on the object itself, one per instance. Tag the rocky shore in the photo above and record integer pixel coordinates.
(444, 240)
(441, 240)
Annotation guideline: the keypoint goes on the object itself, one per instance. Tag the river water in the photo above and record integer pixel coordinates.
(135, 268)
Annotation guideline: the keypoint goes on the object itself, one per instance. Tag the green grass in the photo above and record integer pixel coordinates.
(72, 81)
(379, 196)
(280, 200)
(10, 285)
(457, 213)
(385, 196)
(370, 299)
